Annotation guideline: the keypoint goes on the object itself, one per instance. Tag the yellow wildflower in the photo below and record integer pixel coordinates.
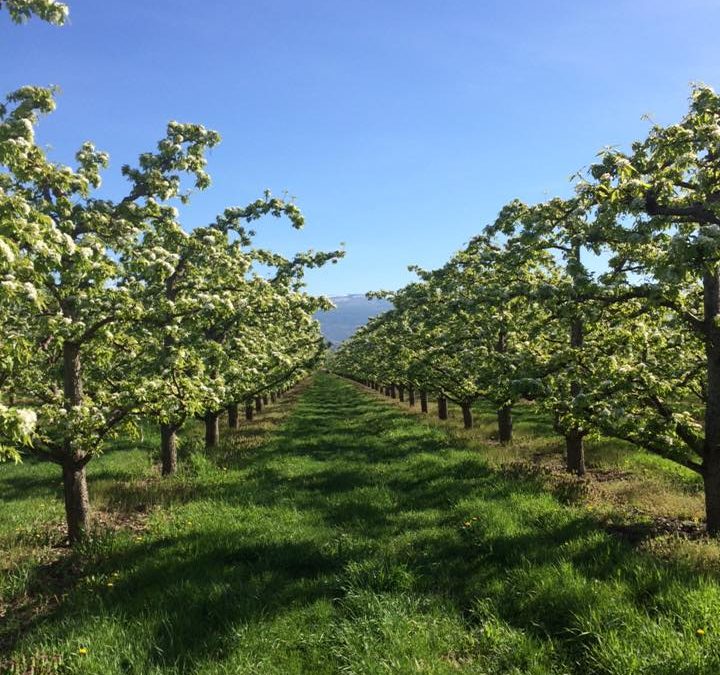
(700, 631)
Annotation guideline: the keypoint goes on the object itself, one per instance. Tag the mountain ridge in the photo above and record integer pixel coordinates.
(351, 311)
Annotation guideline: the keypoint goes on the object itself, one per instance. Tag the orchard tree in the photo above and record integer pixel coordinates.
(77, 322)
(409, 352)
(285, 347)
(16, 423)
(493, 320)
(434, 317)
(269, 322)
(26, 232)
(571, 299)
(354, 357)
(661, 203)
(462, 331)
(197, 295)
(389, 336)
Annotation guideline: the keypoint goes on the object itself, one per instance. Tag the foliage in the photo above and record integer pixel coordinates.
(113, 310)
(610, 302)
(48, 10)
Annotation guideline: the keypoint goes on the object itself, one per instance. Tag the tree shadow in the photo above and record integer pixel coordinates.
(379, 492)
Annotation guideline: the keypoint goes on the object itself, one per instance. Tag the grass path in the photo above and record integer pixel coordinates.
(351, 538)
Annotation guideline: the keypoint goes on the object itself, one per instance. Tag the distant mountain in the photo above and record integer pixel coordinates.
(351, 312)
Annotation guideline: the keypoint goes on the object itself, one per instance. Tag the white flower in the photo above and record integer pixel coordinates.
(30, 290)
(69, 243)
(29, 130)
(6, 251)
(27, 419)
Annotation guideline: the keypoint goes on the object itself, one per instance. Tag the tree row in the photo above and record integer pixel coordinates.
(603, 308)
(114, 315)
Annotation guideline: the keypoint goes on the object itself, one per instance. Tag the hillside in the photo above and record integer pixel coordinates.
(351, 312)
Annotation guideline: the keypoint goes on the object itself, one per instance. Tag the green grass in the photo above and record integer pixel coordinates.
(339, 535)
(634, 483)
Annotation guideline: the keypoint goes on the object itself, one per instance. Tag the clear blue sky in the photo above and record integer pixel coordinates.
(400, 126)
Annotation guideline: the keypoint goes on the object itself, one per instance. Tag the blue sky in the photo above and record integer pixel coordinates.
(401, 127)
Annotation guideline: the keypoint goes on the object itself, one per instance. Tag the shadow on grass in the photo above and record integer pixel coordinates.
(347, 482)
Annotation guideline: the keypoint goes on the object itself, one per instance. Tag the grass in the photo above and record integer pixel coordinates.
(338, 534)
(623, 479)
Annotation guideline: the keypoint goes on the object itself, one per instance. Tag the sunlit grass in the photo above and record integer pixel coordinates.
(343, 535)
(628, 477)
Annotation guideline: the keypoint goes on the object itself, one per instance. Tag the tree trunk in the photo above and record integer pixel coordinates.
(401, 393)
(711, 445)
(442, 408)
(249, 411)
(273, 397)
(574, 437)
(467, 414)
(77, 501)
(168, 432)
(233, 421)
(393, 393)
(423, 401)
(504, 414)
(212, 429)
(168, 448)
(258, 404)
(265, 399)
(505, 424)
(411, 396)
(575, 452)
(711, 480)
(72, 375)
